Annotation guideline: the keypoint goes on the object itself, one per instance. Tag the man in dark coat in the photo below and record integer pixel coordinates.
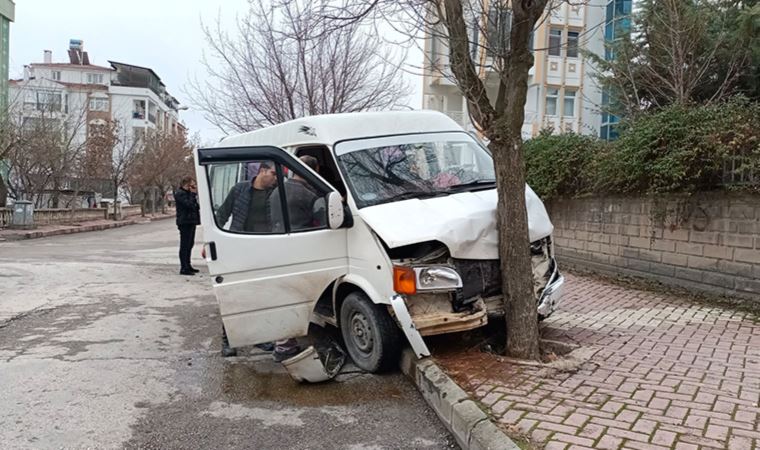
(188, 217)
(248, 203)
(301, 197)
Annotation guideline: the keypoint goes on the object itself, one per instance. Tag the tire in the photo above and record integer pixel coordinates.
(371, 336)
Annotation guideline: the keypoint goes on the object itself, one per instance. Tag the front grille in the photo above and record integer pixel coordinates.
(480, 278)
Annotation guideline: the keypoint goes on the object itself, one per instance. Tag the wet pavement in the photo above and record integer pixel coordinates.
(102, 345)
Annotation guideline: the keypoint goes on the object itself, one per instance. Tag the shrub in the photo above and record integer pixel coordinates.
(678, 149)
(560, 164)
(681, 149)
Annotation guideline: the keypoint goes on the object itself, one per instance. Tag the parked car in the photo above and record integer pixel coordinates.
(402, 243)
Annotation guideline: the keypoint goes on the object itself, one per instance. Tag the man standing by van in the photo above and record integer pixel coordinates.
(188, 217)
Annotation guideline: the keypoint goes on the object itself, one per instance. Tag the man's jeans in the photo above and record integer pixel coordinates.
(186, 242)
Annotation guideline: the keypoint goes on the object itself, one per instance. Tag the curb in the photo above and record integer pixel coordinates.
(80, 229)
(470, 426)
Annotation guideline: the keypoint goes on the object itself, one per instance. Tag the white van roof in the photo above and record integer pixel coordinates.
(330, 128)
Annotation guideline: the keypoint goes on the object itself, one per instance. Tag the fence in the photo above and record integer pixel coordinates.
(5, 217)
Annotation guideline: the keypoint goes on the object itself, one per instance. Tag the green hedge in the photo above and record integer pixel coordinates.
(677, 149)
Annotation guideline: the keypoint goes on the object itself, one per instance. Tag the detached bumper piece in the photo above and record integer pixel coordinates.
(552, 294)
(312, 366)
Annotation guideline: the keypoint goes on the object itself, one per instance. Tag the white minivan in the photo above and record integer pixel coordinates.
(392, 238)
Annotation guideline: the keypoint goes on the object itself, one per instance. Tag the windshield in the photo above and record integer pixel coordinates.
(382, 170)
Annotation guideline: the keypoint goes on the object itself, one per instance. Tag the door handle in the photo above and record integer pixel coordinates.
(212, 250)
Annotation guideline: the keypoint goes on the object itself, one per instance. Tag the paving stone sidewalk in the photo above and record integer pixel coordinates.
(662, 372)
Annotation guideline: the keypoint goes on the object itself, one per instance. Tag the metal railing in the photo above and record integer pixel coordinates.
(739, 171)
(5, 217)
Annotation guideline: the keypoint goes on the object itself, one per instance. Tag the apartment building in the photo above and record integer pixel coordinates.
(617, 23)
(562, 93)
(84, 96)
(7, 15)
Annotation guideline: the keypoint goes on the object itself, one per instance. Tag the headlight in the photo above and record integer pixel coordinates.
(410, 280)
(437, 278)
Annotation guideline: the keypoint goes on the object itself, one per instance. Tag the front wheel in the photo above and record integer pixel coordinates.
(371, 336)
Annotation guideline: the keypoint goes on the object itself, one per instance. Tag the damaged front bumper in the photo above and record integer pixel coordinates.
(552, 294)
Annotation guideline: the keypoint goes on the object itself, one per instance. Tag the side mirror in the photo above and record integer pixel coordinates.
(334, 210)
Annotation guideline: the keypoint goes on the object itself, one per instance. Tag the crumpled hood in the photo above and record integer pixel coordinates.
(465, 222)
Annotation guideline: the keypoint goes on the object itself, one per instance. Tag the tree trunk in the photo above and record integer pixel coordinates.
(3, 193)
(514, 241)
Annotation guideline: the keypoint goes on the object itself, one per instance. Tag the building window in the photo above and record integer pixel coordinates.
(551, 101)
(98, 104)
(152, 112)
(568, 107)
(499, 27)
(57, 75)
(139, 109)
(94, 78)
(49, 101)
(555, 41)
(617, 23)
(572, 44)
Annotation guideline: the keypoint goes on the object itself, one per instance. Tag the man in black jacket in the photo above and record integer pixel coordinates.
(188, 217)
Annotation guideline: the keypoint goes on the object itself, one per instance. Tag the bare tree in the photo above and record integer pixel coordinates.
(115, 151)
(279, 66)
(48, 154)
(504, 37)
(163, 160)
(9, 139)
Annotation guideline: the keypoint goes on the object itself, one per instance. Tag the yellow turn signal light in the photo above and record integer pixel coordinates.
(404, 280)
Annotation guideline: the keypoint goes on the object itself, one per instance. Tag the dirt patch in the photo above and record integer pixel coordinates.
(474, 356)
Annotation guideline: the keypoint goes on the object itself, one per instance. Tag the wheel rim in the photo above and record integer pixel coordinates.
(361, 333)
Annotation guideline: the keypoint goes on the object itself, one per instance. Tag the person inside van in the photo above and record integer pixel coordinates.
(301, 197)
(248, 202)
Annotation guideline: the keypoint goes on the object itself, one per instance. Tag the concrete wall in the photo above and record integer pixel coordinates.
(56, 216)
(132, 210)
(709, 243)
(63, 216)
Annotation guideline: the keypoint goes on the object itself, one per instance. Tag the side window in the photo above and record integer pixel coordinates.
(265, 197)
(241, 193)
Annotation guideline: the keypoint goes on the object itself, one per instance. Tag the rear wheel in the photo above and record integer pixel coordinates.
(371, 336)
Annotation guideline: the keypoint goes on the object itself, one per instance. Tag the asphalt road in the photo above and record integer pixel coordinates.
(103, 345)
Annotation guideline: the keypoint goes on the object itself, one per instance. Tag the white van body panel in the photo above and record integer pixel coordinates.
(332, 128)
(368, 261)
(267, 285)
(465, 222)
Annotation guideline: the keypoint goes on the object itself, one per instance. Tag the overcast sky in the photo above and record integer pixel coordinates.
(164, 35)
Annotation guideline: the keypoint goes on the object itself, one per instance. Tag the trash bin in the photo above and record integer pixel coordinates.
(22, 215)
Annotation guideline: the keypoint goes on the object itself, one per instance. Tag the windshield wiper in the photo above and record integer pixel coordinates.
(416, 194)
(483, 184)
